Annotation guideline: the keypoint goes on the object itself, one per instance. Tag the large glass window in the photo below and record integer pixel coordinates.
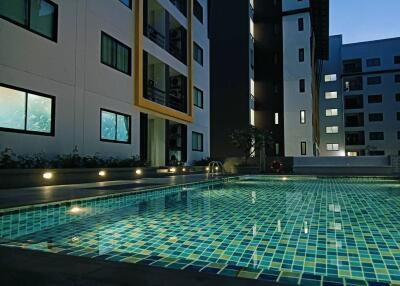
(332, 147)
(332, 129)
(115, 54)
(198, 97)
(198, 54)
(330, 94)
(39, 16)
(331, 112)
(330, 77)
(197, 141)
(115, 127)
(24, 111)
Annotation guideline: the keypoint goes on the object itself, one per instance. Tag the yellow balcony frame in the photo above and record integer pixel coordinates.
(144, 103)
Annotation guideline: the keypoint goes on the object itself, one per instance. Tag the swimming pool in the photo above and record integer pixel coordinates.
(297, 230)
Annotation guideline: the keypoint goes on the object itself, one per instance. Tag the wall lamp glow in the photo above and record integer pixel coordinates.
(47, 175)
(138, 172)
(172, 170)
(183, 169)
(102, 173)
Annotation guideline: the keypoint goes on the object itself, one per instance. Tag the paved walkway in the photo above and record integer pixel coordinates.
(38, 195)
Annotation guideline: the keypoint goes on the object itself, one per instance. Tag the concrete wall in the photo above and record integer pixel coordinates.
(293, 72)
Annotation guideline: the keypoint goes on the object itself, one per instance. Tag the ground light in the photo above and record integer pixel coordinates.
(47, 175)
(285, 178)
(138, 172)
(183, 169)
(172, 170)
(207, 169)
(102, 173)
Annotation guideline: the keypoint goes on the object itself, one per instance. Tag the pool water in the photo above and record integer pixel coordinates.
(297, 230)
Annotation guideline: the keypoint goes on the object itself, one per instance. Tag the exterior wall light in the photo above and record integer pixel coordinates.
(183, 169)
(48, 175)
(102, 173)
(172, 170)
(138, 172)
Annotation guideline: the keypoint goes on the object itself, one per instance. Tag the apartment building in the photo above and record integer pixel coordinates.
(265, 69)
(360, 99)
(109, 77)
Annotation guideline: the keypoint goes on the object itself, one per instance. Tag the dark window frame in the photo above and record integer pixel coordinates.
(301, 55)
(370, 82)
(116, 126)
(305, 119)
(27, 24)
(302, 85)
(373, 136)
(197, 46)
(396, 60)
(198, 11)
(123, 45)
(371, 117)
(202, 141)
(397, 78)
(202, 97)
(303, 143)
(52, 132)
(300, 24)
(372, 98)
(397, 97)
(373, 62)
(129, 6)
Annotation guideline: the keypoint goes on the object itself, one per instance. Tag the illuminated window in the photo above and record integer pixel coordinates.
(276, 118)
(332, 129)
(251, 28)
(330, 77)
(332, 147)
(302, 117)
(252, 87)
(331, 112)
(330, 94)
(252, 117)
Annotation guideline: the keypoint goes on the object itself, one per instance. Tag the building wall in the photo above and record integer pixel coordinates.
(293, 72)
(385, 50)
(71, 71)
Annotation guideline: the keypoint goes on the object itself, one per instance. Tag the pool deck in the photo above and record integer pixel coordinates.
(10, 198)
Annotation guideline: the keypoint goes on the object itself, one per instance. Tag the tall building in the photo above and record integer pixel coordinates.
(265, 70)
(113, 77)
(360, 99)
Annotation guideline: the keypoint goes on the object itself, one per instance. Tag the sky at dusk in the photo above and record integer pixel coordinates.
(365, 20)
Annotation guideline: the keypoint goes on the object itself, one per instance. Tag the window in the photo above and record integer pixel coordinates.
(127, 3)
(397, 78)
(25, 111)
(300, 24)
(252, 87)
(398, 135)
(332, 147)
(302, 117)
(332, 129)
(198, 54)
(303, 148)
(277, 149)
(398, 115)
(276, 118)
(302, 85)
(397, 60)
(375, 98)
(330, 94)
(301, 55)
(373, 117)
(198, 97)
(373, 62)
(377, 153)
(376, 136)
(38, 16)
(197, 141)
(115, 54)
(330, 77)
(397, 97)
(374, 80)
(331, 112)
(252, 28)
(198, 11)
(252, 117)
(115, 127)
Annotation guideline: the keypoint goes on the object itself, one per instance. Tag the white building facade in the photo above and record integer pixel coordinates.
(109, 77)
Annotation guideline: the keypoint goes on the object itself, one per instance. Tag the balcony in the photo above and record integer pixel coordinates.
(354, 120)
(352, 66)
(353, 83)
(354, 102)
(163, 85)
(181, 5)
(163, 29)
(355, 138)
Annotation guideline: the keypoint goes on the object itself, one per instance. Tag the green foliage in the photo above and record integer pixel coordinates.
(9, 160)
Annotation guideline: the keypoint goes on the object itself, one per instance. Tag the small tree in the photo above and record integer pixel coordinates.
(248, 140)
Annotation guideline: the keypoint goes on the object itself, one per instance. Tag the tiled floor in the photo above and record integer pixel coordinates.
(296, 230)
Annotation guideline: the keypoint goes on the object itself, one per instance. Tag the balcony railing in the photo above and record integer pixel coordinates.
(175, 99)
(156, 36)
